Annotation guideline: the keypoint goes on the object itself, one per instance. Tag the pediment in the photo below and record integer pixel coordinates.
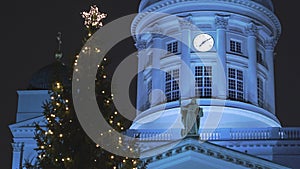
(192, 154)
(26, 128)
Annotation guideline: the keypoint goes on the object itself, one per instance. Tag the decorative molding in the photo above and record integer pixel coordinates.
(18, 146)
(141, 44)
(248, 4)
(211, 152)
(221, 21)
(186, 22)
(156, 31)
(252, 29)
(269, 44)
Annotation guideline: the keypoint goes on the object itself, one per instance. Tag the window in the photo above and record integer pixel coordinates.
(203, 81)
(172, 47)
(235, 84)
(149, 90)
(235, 46)
(260, 92)
(259, 57)
(172, 85)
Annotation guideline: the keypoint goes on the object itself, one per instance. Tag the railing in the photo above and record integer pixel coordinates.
(220, 134)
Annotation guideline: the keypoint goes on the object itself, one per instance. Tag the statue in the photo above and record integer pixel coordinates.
(191, 114)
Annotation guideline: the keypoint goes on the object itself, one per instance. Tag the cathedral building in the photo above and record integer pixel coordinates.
(216, 54)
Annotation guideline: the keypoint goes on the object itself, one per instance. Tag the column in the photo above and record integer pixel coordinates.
(270, 85)
(186, 75)
(252, 63)
(157, 90)
(17, 155)
(220, 73)
(141, 91)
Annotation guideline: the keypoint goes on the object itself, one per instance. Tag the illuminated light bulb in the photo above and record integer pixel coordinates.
(110, 121)
(42, 147)
(50, 145)
(111, 117)
(115, 167)
(107, 101)
(52, 97)
(105, 59)
(70, 121)
(103, 91)
(67, 101)
(62, 159)
(67, 108)
(109, 131)
(97, 50)
(119, 124)
(76, 70)
(104, 76)
(101, 134)
(60, 135)
(112, 157)
(116, 113)
(68, 159)
(97, 145)
(124, 161)
(56, 159)
(122, 128)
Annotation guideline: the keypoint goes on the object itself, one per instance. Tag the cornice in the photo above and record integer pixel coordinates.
(249, 4)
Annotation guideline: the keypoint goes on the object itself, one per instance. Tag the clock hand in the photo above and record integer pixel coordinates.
(204, 42)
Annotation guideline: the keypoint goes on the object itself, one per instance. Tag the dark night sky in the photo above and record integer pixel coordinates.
(28, 37)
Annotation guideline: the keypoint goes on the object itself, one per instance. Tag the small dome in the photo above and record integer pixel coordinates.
(46, 76)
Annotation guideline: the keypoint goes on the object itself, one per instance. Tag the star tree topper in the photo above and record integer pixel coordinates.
(93, 18)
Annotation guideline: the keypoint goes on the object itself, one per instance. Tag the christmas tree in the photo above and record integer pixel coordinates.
(62, 143)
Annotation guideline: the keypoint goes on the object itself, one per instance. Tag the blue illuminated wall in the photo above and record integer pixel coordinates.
(233, 81)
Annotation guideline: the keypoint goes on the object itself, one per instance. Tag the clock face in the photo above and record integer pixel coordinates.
(203, 42)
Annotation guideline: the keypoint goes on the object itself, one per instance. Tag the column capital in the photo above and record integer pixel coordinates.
(141, 44)
(186, 22)
(252, 29)
(269, 44)
(221, 21)
(18, 146)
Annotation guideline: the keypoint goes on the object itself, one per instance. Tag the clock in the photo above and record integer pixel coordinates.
(203, 42)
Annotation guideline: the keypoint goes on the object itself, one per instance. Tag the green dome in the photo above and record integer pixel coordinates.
(46, 76)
